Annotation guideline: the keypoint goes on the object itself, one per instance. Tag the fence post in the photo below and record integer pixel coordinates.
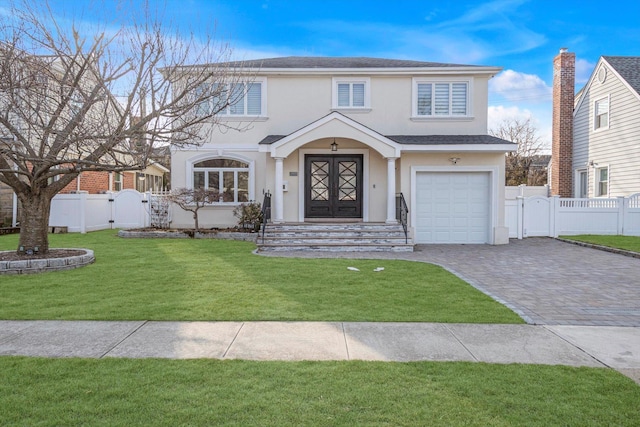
(82, 201)
(112, 208)
(554, 210)
(519, 216)
(146, 219)
(623, 204)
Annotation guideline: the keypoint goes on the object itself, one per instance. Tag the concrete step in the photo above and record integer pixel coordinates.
(335, 237)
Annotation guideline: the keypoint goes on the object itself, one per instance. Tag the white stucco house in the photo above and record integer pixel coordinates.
(606, 130)
(338, 139)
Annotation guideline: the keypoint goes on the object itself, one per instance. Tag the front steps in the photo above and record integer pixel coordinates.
(334, 237)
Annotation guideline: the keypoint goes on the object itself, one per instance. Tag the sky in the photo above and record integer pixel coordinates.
(520, 36)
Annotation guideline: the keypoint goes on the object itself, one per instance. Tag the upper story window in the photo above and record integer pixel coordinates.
(351, 93)
(440, 98)
(227, 176)
(602, 181)
(244, 99)
(601, 114)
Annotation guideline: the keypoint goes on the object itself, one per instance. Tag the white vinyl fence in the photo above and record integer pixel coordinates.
(82, 212)
(553, 216)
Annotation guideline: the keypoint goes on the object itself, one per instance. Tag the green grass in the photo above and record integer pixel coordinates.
(186, 279)
(119, 392)
(628, 243)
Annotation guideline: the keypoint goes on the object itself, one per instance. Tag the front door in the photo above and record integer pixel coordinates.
(333, 186)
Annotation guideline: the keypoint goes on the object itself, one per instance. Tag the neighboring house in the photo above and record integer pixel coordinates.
(149, 179)
(336, 139)
(6, 205)
(605, 138)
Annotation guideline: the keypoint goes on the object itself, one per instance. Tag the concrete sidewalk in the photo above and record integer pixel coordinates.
(596, 346)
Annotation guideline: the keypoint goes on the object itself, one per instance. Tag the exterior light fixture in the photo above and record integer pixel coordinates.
(334, 146)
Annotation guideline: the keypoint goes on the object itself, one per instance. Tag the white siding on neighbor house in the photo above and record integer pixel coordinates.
(618, 146)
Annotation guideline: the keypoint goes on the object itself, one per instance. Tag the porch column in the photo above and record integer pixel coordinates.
(278, 195)
(391, 191)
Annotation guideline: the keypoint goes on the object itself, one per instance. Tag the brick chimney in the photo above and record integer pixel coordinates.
(564, 76)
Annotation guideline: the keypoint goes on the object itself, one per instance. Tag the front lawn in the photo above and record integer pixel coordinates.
(120, 392)
(627, 243)
(186, 279)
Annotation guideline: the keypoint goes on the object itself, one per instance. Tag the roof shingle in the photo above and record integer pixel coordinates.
(628, 67)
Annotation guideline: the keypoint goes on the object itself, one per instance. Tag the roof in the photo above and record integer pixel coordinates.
(628, 67)
(337, 62)
(424, 139)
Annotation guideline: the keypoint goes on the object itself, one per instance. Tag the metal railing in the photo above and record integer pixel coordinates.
(265, 212)
(402, 213)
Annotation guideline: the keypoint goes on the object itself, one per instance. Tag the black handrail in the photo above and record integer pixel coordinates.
(265, 216)
(402, 212)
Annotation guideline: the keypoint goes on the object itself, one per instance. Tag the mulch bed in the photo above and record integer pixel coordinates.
(53, 253)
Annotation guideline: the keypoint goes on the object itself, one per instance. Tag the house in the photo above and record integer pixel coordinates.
(602, 148)
(337, 139)
(149, 179)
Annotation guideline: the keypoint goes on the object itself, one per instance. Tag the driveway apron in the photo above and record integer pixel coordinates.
(546, 281)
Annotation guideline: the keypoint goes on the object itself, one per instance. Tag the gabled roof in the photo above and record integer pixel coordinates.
(628, 67)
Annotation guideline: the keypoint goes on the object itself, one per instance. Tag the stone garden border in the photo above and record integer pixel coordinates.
(177, 234)
(31, 266)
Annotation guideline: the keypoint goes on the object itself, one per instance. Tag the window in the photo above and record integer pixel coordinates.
(602, 181)
(440, 99)
(352, 93)
(230, 177)
(117, 181)
(601, 114)
(244, 99)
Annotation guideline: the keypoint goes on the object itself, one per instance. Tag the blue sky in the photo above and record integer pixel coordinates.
(520, 36)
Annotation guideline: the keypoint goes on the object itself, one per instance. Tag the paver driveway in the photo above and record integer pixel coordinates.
(544, 280)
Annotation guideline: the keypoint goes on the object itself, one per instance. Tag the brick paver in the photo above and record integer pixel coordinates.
(546, 281)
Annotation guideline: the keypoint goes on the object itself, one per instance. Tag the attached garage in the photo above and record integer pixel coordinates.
(452, 207)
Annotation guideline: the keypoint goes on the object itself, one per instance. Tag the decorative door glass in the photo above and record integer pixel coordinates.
(347, 182)
(319, 180)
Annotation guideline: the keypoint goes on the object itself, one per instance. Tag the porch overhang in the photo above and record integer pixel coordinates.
(333, 125)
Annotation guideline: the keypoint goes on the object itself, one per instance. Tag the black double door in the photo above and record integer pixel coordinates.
(333, 186)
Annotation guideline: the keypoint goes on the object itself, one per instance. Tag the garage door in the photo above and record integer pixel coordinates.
(452, 207)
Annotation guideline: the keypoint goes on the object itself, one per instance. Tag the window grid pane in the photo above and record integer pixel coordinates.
(214, 180)
(243, 187)
(198, 180)
(358, 95)
(229, 188)
(254, 99)
(424, 99)
(343, 95)
(237, 99)
(442, 99)
(459, 99)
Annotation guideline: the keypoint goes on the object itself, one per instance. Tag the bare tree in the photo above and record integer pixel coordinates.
(522, 166)
(72, 102)
(192, 200)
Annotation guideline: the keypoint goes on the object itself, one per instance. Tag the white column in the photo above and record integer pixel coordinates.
(278, 196)
(391, 191)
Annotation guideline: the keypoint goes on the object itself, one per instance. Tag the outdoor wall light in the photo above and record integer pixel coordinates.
(334, 146)
(454, 160)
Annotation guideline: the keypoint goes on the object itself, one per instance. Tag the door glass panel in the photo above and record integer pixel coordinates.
(347, 181)
(320, 181)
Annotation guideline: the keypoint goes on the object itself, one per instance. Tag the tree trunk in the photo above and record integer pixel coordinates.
(195, 219)
(34, 223)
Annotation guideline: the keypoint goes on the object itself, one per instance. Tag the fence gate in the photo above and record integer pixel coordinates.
(537, 218)
(130, 209)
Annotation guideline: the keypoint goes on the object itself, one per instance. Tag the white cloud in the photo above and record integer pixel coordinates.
(584, 69)
(516, 86)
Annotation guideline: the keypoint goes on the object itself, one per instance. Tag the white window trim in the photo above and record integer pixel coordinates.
(596, 181)
(414, 99)
(211, 156)
(263, 104)
(600, 129)
(367, 93)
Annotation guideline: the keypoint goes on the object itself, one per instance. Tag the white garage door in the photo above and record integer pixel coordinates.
(452, 207)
